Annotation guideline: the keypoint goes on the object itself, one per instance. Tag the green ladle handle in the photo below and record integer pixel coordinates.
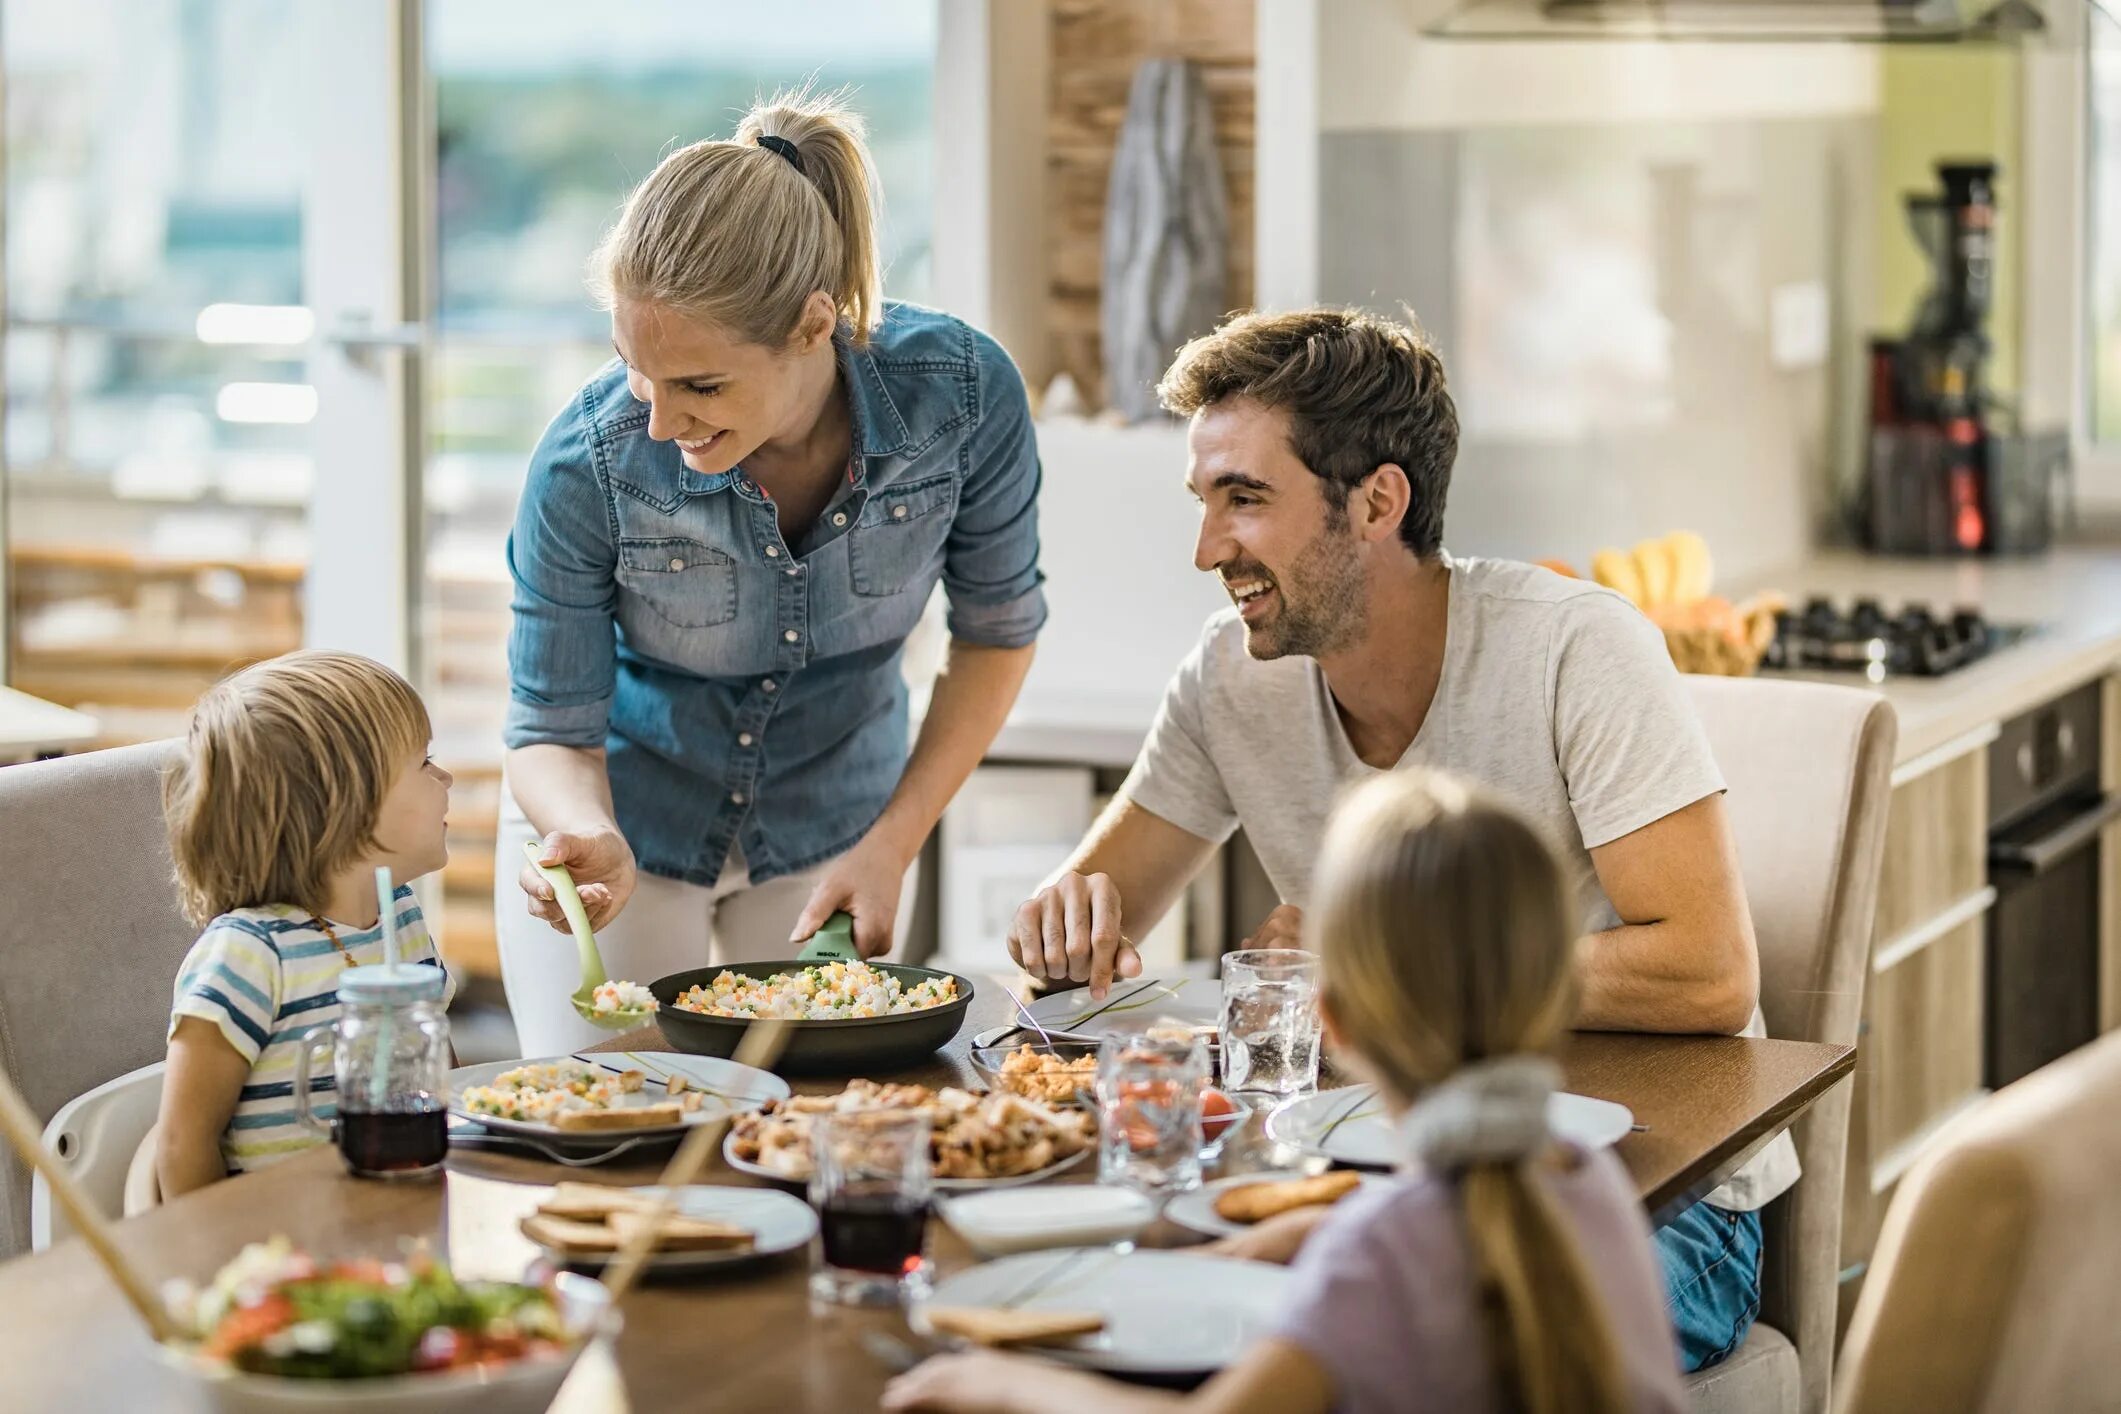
(562, 882)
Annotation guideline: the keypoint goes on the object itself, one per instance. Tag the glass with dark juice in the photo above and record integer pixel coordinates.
(389, 1080)
(869, 1183)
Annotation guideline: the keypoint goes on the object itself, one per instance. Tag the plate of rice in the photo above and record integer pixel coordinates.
(849, 1016)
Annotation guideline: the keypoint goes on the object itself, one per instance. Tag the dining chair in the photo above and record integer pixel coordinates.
(98, 1136)
(90, 935)
(1809, 770)
(1991, 1288)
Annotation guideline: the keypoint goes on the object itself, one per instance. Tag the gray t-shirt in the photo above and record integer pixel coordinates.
(1385, 1299)
(1557, 696)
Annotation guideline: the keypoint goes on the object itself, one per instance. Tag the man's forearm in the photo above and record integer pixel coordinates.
(971, 700)
(1649, 977)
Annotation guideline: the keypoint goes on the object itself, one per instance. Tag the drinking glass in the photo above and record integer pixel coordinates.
(1270, 1025)
(869, 1183)
(390, 1069)
(1149, 1084)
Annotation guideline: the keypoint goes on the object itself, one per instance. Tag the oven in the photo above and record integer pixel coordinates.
(2046, 809)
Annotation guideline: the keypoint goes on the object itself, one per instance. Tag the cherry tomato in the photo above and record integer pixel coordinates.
(1216, 1112)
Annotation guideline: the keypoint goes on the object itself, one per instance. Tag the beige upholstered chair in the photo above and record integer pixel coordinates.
(1992, 1287)
(1809, 769)
(90, 935)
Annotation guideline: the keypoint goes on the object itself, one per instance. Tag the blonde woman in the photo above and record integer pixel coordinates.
(299, 777)
(724, 541)
(1503, 1271)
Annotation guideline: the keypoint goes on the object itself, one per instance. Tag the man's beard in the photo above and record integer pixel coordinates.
(1324, 606)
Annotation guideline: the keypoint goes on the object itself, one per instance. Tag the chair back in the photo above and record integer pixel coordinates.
(1991, 1289)
(1809, 767)
(90, 935)
(97, 1136)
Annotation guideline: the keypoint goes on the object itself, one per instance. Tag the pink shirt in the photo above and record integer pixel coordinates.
(1384, 1295)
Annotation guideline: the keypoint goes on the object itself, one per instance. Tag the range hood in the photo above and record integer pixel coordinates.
(1870, 21)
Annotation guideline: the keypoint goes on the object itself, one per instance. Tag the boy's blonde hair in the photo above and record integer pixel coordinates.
(1447, 936)
(734, 234)
(281, 781)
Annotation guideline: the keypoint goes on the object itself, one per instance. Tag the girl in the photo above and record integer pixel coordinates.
(725, 538)
(1503, 1271)
(299, 777)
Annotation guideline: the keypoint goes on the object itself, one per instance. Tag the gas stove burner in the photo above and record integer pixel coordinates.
(1915, 642)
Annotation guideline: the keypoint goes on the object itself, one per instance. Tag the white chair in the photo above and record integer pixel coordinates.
(96, 1136)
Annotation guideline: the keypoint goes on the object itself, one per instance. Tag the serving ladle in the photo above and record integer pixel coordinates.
(585, 941)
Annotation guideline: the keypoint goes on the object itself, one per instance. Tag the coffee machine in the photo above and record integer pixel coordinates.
(1950, 473)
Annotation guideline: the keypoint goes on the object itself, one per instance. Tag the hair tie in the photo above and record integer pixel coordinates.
(785, 148)
(1492, 1111)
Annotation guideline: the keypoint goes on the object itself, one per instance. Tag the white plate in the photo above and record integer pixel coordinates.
(1166, 1313)
(1195, 1208)
(778, 1224)
(1349, 1126)
(1130, 1003)
(941, 1185)
(1002, 1221)
(740, 1087)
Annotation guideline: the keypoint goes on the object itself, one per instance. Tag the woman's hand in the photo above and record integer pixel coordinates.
(866, 882)
(602, 865)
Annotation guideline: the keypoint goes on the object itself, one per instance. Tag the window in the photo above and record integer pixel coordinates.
(545, 116)
(157, 462)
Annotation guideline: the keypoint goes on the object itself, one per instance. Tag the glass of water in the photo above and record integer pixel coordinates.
(1149, 1084)
(1270, 1023)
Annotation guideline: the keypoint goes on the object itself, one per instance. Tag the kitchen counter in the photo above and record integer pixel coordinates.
(2072, 597)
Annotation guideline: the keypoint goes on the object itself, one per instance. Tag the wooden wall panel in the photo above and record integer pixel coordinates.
(1097, 45)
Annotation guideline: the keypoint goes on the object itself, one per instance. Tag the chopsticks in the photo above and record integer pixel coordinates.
(23, 1132)
(761, 1046)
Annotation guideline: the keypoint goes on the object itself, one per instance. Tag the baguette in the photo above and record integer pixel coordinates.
(988, 1326)
(631, 1117)
(1256, 1202)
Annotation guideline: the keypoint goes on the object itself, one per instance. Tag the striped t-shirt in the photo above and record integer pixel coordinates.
(265, 977)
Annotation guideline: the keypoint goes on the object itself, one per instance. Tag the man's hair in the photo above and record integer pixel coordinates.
(281, 780)
(1360, 391)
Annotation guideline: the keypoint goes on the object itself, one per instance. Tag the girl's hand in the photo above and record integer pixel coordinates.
(602, 865)
(1276, 1240)
(866, 882)
(984, 1382)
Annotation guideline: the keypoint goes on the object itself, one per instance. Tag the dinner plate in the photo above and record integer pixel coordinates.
(1166, 1313)
(1130, 1003)
(1350, 1126)
(728, 1085)
(941, 1185)
(1195, 1208)
(778, 1224)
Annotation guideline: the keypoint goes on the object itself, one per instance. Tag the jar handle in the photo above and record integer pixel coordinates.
(305, 1046)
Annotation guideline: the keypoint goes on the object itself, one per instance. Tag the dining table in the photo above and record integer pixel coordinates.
(748, 1337)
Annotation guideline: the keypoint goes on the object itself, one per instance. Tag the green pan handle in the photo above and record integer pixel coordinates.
(832, 943)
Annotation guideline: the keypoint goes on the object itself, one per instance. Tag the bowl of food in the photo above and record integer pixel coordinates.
(849, 1016)
(1060, 1072)
(278, 1330)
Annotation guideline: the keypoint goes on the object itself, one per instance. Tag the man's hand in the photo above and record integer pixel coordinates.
(1070, 931)
(865, 881)
(1284, 928)
(602, 865)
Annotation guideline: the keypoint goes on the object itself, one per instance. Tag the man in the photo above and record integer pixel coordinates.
(1321, 446)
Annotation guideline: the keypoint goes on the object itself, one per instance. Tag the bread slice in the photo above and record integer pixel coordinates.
(592, 1202)
(1256, 1202)
(683, 1234)
(630, 1117)
(569, 1235)
(986, 1325)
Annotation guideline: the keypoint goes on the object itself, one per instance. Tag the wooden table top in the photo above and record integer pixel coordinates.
(748, 1339)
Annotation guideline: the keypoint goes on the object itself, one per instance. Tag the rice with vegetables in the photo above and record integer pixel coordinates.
(832, 991)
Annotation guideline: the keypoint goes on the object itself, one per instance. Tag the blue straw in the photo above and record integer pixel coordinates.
(387, 916)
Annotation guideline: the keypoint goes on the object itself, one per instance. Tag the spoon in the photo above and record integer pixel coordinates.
(593, 975)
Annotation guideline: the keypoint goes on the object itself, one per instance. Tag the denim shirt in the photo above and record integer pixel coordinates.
(747, 689)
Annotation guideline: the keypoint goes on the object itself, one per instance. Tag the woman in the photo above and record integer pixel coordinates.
(724, 540)
(1503, 1271)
